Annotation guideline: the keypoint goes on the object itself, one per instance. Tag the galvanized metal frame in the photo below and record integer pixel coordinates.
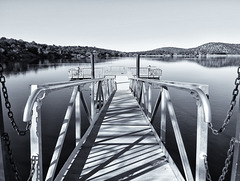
(200, 92)
(32, 112)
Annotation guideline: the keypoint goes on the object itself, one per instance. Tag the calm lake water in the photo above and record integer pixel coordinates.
(218, 73)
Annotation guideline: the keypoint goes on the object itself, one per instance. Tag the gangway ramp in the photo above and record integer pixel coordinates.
(120, 142)
(122, 145)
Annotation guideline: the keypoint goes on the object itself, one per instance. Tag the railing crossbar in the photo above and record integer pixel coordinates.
(61, 137)
(99, 95)
(84, 103)
(156, 106)
(178, 136)
(145, 99)
(140, 93)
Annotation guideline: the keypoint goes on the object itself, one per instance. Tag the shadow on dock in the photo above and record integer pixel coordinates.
(121, 146)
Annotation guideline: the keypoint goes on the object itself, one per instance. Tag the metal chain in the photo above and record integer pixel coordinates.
(8, 106)
(230, 110)
(5, 136)
(33, 163)
(227, 161)
(8, 149)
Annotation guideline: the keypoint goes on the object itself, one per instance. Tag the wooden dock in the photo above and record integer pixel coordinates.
(122, 145)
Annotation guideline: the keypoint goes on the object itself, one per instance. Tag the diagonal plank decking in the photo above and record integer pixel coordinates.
(124, 147)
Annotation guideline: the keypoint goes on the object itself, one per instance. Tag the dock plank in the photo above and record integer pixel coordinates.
(122, 147)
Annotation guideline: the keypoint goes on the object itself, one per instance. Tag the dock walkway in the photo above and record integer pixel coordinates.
(121, 146)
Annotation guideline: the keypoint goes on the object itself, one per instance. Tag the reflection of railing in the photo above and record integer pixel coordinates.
(142, 90)
(101, 90)
(85, 73)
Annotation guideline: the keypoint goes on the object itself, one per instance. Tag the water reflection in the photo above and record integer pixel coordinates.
(35, 65)
(24, 66)
(206, 62)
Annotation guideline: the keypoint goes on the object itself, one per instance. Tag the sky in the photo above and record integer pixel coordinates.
(124, 25)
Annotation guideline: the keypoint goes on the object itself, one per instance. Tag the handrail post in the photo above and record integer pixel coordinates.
(163, 116)
(134, 87)
(36, 137)
(138, 66)
(236, 157)
(92, 87)
(149, 99)
(201, 145)
(92, 66)
(105, 89)
(145, 99)
(78, 116)
(131, 85)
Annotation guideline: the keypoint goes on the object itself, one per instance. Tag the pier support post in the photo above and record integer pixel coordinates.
(138, 66)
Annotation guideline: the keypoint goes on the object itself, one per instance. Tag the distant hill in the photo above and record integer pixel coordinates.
(11, 49)
(218, 48)
(208, 48)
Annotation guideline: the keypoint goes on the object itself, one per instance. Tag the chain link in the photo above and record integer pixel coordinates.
(8, 106)
(34, 160)
(230, 110)
(227, 161)
(8, 149)
(5, 138)
(223, 127)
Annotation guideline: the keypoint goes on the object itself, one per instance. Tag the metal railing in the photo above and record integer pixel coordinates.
(142, 90)
(100, 72)
(100, 91)
(85, 73)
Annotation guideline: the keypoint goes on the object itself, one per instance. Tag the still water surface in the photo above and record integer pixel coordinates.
(219, 74)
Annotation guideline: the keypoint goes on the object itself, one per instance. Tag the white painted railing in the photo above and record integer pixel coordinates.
(101, 90)
(142, 90)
